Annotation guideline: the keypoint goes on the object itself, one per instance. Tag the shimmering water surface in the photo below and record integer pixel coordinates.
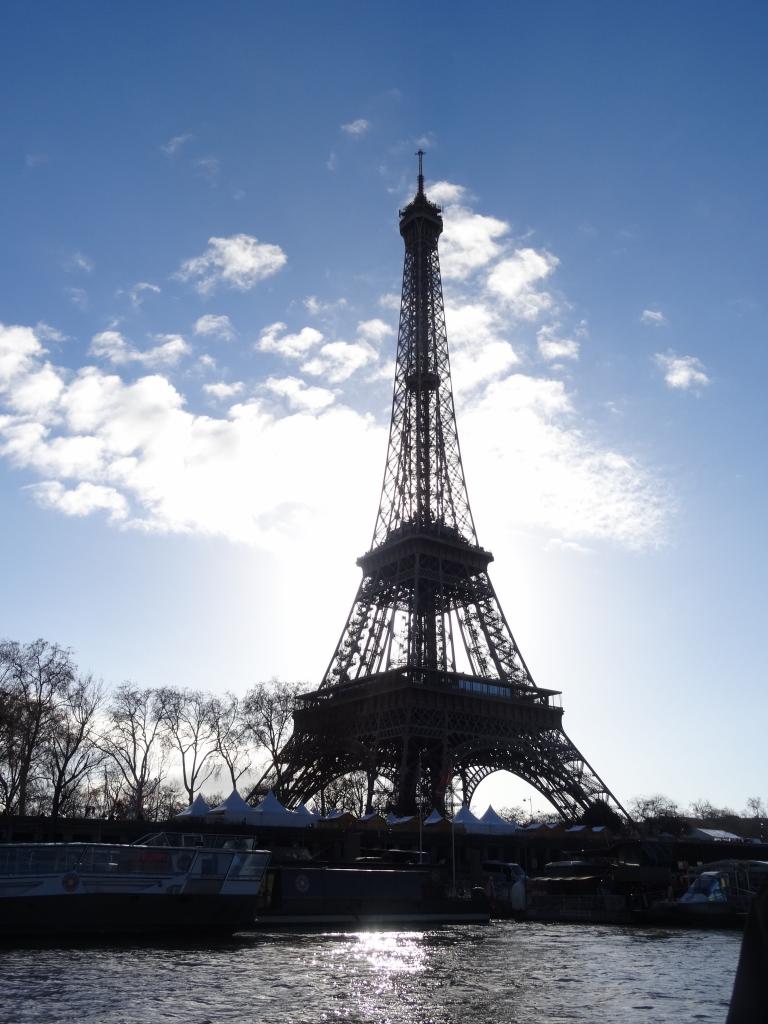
(502, 973)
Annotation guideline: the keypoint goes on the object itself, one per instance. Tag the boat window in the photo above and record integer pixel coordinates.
(247, 865)
(211, 864)
(37, 860)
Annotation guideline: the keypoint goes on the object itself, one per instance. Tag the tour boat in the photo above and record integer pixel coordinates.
(164, 883)
(311, 895)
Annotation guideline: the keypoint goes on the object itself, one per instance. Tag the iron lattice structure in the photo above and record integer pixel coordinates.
(427, 685)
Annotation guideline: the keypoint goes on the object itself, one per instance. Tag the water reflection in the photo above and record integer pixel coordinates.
(500, 974)
(387, 953)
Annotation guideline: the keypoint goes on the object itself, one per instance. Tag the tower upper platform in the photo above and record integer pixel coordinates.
(421, 210)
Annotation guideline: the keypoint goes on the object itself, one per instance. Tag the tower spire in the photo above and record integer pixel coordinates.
(420, 155)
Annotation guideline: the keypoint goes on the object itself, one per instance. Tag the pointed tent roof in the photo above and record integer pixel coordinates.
(234, 808)
(373, 821)
(466, 818)
(437, 823)
(197, 809)
(305, 812)
(495, 823)
(270, 813)
(434, 818)
(271, 805)
(340, 818)
(393, 819)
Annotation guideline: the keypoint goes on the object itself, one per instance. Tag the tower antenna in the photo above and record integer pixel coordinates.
(420, 155)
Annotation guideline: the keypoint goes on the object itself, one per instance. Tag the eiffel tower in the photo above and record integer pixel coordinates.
(427, 685)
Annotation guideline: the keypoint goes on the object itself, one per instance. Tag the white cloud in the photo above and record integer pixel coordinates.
(469, 242)
(553, 347)
(470, 324)
(523, 431)
(374, 331)
(77, 261)
(19, 349)
(256, 476)
(267, 472)
(682, 372)
(390, 300)
(292, 346)
(356, 128)
(317, 306)
(479, 353)
(36, 159)
(332, 162)
(239, 261)
(81, 500)
(217, 326)
(300, 395)
(471, 367)
(654, 317)
(222, 391)
(47, 333)
(441, 192)
(571, 546)
(78, 297)
(174, 144)
(36, 393)
(515, 281)
(208, 167)
(170, 350)
(139, 291)
(338, 360)
(381, 371)
(112, 346)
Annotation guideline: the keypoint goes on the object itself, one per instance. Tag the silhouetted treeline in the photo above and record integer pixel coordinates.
(70, 747)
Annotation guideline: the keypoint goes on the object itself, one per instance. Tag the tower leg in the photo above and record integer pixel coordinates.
(405, 800)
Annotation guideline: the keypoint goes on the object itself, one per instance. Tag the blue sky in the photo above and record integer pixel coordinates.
(200, 254)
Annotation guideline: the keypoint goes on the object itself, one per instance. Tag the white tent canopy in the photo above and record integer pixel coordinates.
(393, 819)
(233, 809)
(197, 809)
(497, 824)
(434, 818)
(271, 813)
(491, 823)
(466, 818)
(303, 811)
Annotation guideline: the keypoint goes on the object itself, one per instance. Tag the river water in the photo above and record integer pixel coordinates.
(498, 974)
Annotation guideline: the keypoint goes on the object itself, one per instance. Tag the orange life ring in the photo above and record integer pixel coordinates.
(70, 882)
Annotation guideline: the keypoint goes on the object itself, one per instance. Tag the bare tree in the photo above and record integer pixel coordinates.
(268, 719)
(231, 736)
(514, 814)
(133, 741)
(164, 802)
(347, 793)
(34, 681)
(106, 795)
(645, 808)
(72, 747)
(187, 716)
(705, 811)
(755, 807)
